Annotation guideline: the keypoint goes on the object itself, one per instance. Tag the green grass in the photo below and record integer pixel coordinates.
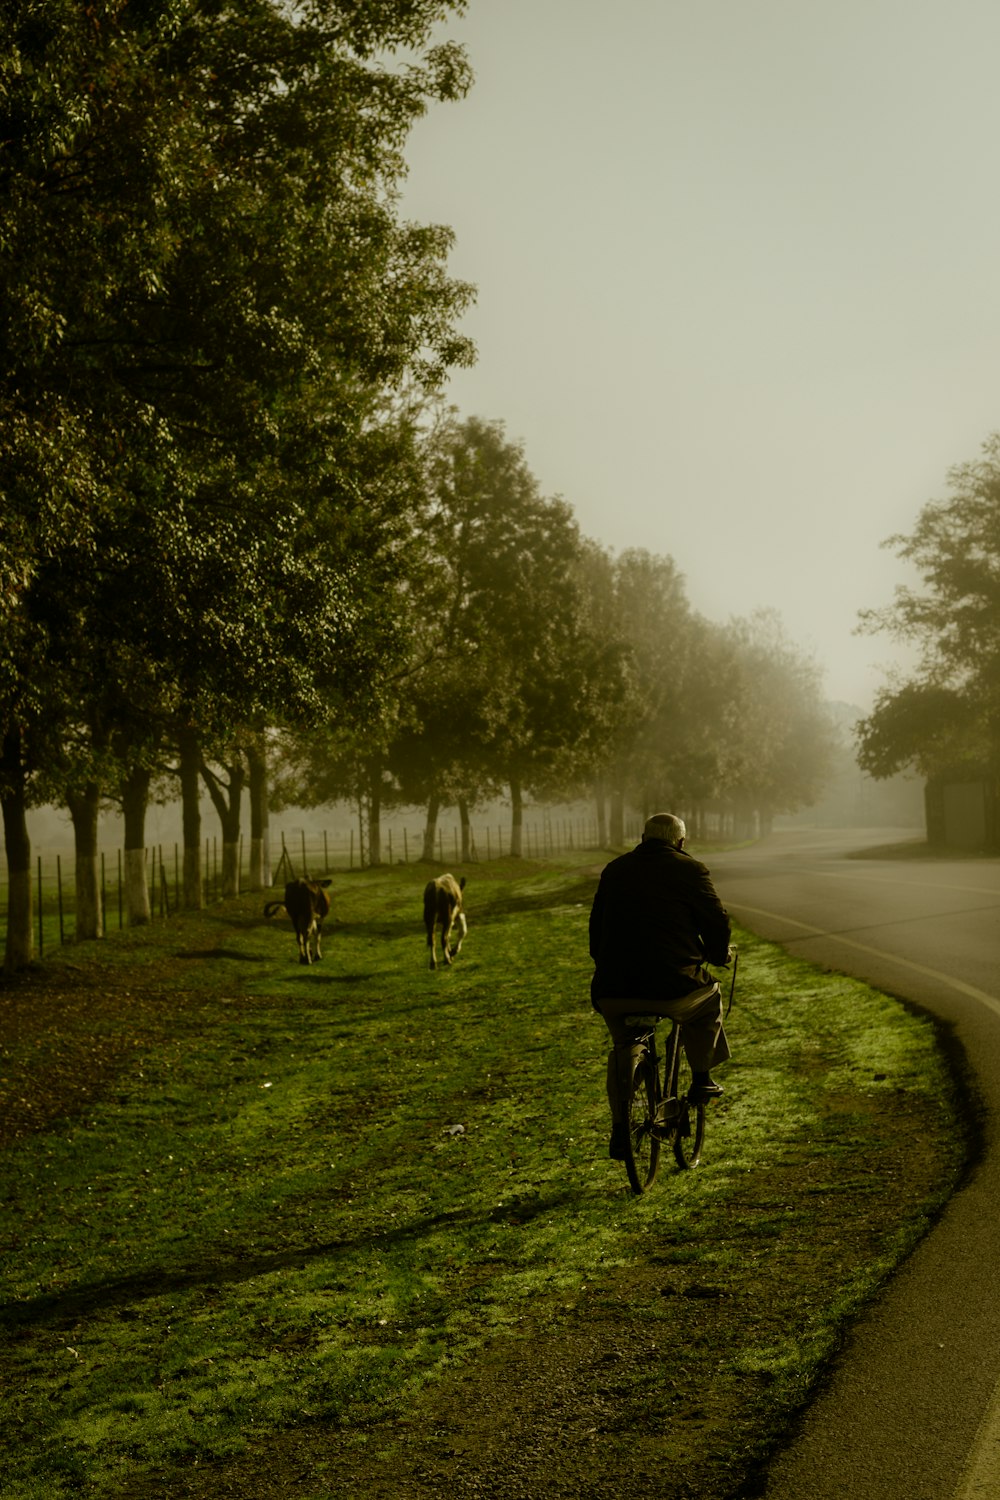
(308, 1193)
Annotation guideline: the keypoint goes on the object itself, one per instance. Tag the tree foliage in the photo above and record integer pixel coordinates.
(948, 711)
(781, 735)
(536, 679)
(206, 290)
(724, 718)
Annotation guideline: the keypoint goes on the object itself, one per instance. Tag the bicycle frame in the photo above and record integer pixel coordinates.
(657, 1106)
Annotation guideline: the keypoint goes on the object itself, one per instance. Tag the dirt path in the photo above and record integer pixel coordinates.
(566, 1410)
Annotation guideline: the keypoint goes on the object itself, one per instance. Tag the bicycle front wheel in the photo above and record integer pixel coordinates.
(642, 1151)
(689, 1134)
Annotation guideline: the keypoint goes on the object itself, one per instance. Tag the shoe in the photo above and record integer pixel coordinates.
(703, 1088)
(618, 1148)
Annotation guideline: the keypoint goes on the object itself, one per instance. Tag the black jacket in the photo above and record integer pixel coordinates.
(655, 914)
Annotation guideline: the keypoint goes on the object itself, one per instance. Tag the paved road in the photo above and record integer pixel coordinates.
(912, 1409)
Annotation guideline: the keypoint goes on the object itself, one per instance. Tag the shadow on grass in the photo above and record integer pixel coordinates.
(579, 893)
(366, 977)
(238, 954)
(95, 1297)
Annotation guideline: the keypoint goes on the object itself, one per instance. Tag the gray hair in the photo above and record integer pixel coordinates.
(666, 827)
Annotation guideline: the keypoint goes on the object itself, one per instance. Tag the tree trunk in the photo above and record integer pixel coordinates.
(463, 815)
(229, 809)
(83, 809)
(601, 803)
(617, 824)
(19, 949)
(516, 819)
(430, 827)
(259, 877)
(375, 813)
(135, 797)
(193, 897)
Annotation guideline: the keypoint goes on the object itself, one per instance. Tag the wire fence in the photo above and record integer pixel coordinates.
(301, 852)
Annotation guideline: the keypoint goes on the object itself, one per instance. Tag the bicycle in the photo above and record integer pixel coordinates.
(660, 1109)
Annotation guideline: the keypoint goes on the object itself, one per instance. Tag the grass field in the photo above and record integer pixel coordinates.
(270, 1204)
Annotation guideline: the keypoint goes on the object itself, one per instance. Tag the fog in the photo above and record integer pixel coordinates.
(738, 286)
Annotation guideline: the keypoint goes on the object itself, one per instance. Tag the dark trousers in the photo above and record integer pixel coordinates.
(703, 1037)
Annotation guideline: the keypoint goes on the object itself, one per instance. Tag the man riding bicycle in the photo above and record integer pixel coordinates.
(655, 921)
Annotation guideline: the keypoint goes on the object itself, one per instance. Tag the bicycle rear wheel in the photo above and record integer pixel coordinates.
(689, 1133)
(642, 1151)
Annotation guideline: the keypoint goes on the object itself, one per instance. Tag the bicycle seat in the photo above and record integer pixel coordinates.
(641, 1020)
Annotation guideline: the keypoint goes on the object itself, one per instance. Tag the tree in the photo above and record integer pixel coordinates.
(715, 717)
(205, 292)
(649, 610)
(535, 684)
(781, 742)
(948, 711)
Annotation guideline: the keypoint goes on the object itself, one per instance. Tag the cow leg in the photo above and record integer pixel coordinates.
(446, 927)
(432, 938)
(462, 930)
(303, 942)
(319, 952)
(430, 914)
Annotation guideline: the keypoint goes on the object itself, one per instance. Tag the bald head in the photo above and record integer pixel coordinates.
(667, 828)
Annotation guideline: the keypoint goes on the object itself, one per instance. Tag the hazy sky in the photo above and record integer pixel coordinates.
(738, 266)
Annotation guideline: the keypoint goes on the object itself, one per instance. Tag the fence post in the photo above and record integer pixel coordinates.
(488, 853)
(41, 931)
(406, 849)
(177, 881)
(62, 930)
(351, 866)
(305, 862)
(120, 913)
(326, 855)
(390, 845)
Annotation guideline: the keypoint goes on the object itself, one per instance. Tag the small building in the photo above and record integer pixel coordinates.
(961, 808)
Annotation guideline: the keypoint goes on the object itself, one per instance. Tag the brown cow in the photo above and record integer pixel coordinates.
(307, 903)
(443, 908)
